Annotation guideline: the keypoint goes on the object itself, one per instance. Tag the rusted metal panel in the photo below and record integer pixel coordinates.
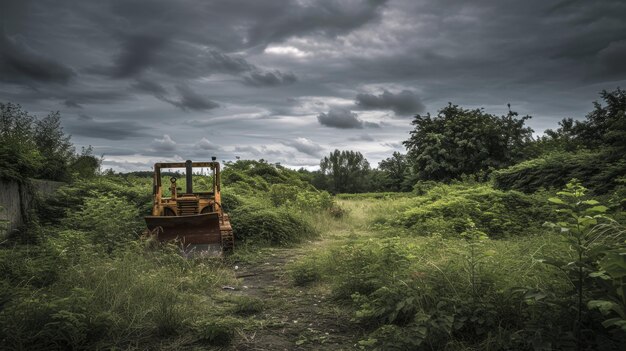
(194, 229)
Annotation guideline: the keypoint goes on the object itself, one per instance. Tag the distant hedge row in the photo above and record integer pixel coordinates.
(598, 171)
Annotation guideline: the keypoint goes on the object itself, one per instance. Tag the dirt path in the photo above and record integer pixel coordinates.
(293, 318)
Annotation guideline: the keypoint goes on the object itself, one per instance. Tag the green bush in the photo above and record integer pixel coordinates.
(270, 226)
(109, 221)
(597, 171)
(230, 201)
(448, 210)
(305, 272)
(133, 190)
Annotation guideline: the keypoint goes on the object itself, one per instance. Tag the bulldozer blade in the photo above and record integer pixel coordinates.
(200, 231)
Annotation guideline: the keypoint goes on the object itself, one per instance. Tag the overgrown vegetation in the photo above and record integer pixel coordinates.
(477, 239)
(466, 284)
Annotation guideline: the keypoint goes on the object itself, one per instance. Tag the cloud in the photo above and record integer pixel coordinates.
(19, 63)
(306, 146)
(611, 60)
(343, 119)
(150, 87)
(326, 17)
(403, 103)
(362, 137)
(190, 100)
(165, 144)
(137, 54)
(87, 126)
(71, 103)
(205, 144)
(269, 79)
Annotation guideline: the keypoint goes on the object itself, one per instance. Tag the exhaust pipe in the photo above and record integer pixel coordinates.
(188, 171)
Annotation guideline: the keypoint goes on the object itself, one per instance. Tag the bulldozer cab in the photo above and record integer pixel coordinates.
(195, 219)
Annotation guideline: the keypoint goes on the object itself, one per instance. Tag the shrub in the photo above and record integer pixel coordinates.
(110, 222)
(230, 201)
(270, 226)
(448, 210)
(598, 171)
(306, 272)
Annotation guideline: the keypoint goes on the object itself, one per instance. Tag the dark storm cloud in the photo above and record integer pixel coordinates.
(87, 126)
(327, 17)
(343, 119)
(269, 79)
(137, 54)
(19, 63)
(190, 100)
(612, 60)
(150, 87)
(403, 103)
(71, 103)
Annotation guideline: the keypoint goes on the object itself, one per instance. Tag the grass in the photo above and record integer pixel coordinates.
(385, 272)
(440, 291)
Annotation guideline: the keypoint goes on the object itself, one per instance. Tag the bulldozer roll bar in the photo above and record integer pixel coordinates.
(188, 175)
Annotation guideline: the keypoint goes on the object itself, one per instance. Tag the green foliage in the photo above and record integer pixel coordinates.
(86, 165)
(109, 301)
(55, 147)
(581, 227)
(598, 171)
(215, 332)
(246, 306)
(604, 127)
(68, 199)
(19, 156)
(459, 141)
(346, 172)
(306, 272)
(108, 221)
(613, 270)
(431, 293)
(452, 210)
(272, 226)
(396, 169)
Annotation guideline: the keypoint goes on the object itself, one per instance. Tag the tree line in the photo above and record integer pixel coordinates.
(459, 143)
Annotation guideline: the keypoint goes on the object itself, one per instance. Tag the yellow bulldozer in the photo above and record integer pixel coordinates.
(195, 219)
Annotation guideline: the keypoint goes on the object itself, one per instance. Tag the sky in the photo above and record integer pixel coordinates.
(289, 81)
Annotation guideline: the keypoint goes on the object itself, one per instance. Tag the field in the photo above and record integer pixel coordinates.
(461, 267)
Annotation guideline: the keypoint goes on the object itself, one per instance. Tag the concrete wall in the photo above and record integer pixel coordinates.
(16, 199)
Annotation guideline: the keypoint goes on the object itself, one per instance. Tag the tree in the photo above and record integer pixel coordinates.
(86, 165)
(19, 155)
(395, 170)
(346, 171)
(54, 146)
(459, 141)
(605, 126)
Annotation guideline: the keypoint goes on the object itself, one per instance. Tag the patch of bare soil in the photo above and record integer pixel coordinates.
(294, 318)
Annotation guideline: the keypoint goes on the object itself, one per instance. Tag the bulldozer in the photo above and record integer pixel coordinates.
(195, 219)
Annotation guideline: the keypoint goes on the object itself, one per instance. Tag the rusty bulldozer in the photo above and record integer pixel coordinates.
(196, 219)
